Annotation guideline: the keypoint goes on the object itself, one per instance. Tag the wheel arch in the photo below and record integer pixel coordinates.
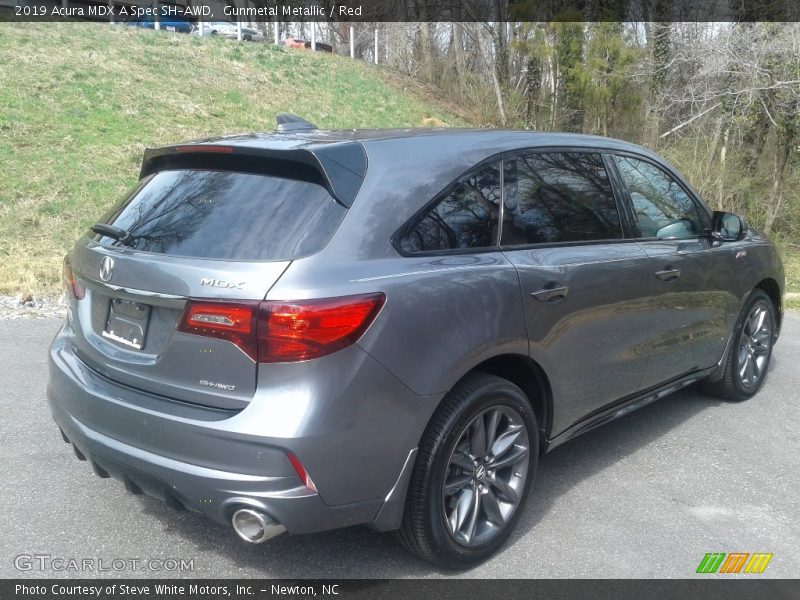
(772, 289)
(520, 370)
(531, 378)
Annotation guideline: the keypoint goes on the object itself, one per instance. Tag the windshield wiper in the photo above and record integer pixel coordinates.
(123, 236)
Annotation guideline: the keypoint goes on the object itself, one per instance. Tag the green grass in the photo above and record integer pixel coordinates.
(80, 102)
(791, 264)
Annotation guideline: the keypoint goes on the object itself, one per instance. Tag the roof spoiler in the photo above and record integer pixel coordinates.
(339, 168)
(290, 122)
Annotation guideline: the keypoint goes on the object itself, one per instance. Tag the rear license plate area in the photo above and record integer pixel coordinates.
(127, 323)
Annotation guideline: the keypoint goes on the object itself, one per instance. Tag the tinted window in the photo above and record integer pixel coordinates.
(467, 217)
(228, 215)
(662, 208)
(558, 197)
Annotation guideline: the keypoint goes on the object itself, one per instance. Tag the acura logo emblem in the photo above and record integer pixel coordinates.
(107, 268)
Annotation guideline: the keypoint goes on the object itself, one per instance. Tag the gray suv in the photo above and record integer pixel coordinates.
(303, 330)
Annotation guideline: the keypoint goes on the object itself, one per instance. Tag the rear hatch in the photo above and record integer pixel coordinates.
(200, 228)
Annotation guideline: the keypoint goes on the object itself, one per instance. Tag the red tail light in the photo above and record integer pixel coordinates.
(307, 329)
(72, 286)
(273, 331)
(232, 321)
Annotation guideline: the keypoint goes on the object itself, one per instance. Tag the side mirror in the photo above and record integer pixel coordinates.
(728, 227)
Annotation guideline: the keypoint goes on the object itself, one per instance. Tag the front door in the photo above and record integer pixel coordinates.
(689, 324)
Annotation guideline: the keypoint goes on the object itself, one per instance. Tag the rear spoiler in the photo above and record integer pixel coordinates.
(338, 167)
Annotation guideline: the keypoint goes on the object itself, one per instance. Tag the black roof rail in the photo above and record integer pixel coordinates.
(290, 122)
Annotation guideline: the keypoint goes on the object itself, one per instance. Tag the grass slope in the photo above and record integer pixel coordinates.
(80, 102)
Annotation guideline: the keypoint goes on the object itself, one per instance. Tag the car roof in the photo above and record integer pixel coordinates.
(300, 137)
(455, 137)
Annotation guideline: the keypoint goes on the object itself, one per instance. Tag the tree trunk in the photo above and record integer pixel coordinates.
(491, 64)
(569, 55)
(533, 84)
(776, 192)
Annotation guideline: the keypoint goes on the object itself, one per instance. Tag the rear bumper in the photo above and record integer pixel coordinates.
(214, 462)
(216, 494)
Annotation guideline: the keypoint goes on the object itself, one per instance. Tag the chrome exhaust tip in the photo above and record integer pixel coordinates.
(255, 527)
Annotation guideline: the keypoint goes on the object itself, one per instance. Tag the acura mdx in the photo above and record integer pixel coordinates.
(303, 330)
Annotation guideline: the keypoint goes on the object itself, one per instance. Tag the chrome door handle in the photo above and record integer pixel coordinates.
(553, 294)
(668, 274)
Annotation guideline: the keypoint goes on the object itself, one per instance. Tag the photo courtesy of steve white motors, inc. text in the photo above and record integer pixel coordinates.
(192, 590)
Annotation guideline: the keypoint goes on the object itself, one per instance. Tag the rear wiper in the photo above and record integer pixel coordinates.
(123, 236)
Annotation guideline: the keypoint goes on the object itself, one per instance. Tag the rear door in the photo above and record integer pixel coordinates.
(585, 310)
(197, 233)
(689, 326)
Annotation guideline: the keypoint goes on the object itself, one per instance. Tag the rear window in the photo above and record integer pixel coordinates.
(227, 215)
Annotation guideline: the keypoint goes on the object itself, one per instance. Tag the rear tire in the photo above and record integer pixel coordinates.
(474, 470)
(751, 349)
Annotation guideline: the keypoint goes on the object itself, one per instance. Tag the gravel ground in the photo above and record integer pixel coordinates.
(29, 307)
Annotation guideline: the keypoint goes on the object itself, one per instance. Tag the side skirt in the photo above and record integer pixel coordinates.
(626, 405)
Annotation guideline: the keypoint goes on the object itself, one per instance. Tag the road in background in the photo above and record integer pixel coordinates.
(645, 496)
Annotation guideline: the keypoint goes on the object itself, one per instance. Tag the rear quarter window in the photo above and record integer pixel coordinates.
(227, 215)
(465, 218)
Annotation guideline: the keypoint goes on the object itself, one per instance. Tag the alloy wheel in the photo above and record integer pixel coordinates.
(485, 476)
(755, 342)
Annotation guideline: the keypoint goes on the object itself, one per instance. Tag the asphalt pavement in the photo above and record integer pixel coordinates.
(645, 496)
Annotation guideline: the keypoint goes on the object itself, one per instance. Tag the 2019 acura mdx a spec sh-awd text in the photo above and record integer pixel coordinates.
(303, 330)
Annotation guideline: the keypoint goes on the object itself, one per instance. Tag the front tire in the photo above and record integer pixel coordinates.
(474, 470)
(748, 359)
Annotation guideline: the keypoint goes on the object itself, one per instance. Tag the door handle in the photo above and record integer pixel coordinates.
(551, 294)
(668, 273)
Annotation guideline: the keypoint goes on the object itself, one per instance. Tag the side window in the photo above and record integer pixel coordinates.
(558, 197)
(466, 218)
(663, 210)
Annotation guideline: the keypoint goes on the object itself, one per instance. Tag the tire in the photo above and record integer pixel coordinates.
(748, 359)
(438, 523)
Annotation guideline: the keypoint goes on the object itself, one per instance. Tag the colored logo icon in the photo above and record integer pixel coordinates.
(734, 562)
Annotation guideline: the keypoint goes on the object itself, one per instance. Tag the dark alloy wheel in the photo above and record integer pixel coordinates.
(474, 469)
(485, 476)
(747, 362)
(755, 346)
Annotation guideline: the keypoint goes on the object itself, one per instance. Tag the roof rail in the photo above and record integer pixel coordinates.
(290, 122)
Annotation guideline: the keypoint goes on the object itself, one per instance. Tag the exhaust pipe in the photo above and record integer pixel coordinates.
(254, 526)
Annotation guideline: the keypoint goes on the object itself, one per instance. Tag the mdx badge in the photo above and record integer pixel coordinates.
(107, 268)
(222, 283)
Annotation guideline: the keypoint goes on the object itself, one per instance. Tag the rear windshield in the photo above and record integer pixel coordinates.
(227, 215)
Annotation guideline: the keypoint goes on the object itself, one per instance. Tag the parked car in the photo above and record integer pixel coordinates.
(229, 31)
(300, 44)
(167, 23)
(303, 330)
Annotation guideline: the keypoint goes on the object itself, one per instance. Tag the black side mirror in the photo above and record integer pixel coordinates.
(728, 227)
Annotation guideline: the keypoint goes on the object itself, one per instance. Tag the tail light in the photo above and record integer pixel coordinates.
(72, 286)
(277, 331)
(235, 322)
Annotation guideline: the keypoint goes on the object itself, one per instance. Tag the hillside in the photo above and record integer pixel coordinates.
(80, 102)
